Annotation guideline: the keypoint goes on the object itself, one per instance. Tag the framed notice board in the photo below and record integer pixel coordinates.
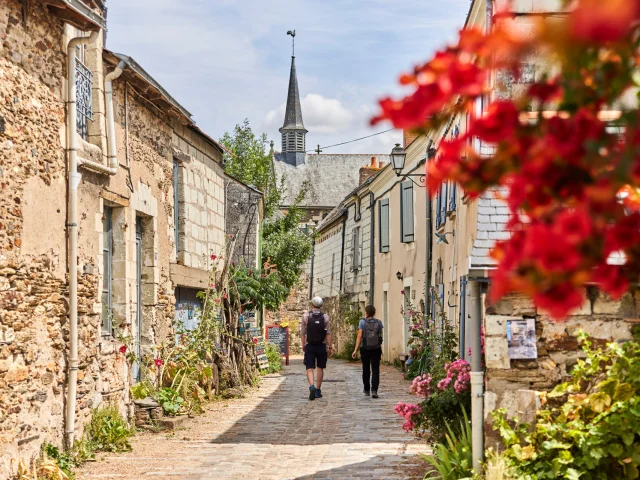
(279, 336)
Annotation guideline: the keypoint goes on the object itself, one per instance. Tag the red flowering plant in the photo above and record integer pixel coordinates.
(570, 179)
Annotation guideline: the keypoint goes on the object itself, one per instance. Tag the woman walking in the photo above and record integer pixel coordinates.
(370, 335)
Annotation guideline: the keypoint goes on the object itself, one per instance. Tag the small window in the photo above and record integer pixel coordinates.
(452, 198)
(383, 222)
(358, 208)
(107, 269)
(406, 211)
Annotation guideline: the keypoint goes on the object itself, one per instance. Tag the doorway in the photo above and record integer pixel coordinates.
(407, 319)
(138, 335)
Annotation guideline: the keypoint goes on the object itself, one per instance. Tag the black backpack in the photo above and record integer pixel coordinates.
(371, 334)
(315, 328)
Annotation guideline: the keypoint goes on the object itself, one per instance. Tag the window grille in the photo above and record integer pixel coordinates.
(84, 83)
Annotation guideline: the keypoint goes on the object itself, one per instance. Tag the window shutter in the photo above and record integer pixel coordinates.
(383, 206)
(406, 211)
(438, 203)
(443, 203)
(452, 197)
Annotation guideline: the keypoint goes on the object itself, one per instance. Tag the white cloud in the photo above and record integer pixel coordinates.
(320, 115)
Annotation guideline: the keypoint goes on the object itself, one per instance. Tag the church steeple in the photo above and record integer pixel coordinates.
(294, 141)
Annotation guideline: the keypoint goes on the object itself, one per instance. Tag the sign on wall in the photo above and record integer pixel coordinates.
(521, 338)
(279, 336)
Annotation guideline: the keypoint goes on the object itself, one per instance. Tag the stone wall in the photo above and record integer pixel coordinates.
(33, 306)
(600, 316)
(243, 216)
(291, 312)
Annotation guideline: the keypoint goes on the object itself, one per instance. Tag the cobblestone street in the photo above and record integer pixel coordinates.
(276, 433)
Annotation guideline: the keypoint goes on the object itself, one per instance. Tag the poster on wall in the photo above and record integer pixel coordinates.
(521, 338)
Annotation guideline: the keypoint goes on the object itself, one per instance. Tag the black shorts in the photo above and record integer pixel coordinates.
(313, 353)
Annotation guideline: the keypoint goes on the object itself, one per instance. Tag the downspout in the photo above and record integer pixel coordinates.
(313, 259)
(372, 229)
(477, 395)
(112, 160)
(476, 374)
(344, 231)
(72, 228)
(427, 272)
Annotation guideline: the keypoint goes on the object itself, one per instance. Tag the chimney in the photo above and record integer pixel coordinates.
(369, 170)
(408, 137)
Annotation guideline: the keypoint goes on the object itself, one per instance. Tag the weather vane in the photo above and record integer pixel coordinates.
(293, 40)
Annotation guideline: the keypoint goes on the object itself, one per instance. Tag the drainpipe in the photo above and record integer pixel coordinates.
(112, 160)
(72, 226)
(313, 259)
(427, 272)
(372, 229)
(477, 395)
(344, 232)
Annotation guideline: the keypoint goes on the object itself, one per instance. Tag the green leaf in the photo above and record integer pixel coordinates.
(615, 449)
(559, 390)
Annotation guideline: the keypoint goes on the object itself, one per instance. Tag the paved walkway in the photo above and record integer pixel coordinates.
(277, 433)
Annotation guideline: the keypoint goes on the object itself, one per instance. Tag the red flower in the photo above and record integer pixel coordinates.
(574, 226)
(123, 349)
(255, 340)
(545, 91)
(499, 123)
(224, 295)
(213, 257)
(603, 20)
(158, 362)
(612, 280)
(560, 300)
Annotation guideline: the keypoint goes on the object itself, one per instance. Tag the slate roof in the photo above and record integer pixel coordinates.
(330, 177)
(293, 112)
(493, 215)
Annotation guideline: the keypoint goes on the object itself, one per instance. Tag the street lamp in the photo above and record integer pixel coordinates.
(398, 156)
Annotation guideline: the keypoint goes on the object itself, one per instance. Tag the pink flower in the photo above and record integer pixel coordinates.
(213, 257)
(158, 362)
(409, 412)
(123, 349)
(255, 340)
(212, 285)
(401, 292)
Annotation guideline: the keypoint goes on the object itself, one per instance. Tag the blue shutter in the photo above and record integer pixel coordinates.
(452, 197)
(443, 203)
(438, 218)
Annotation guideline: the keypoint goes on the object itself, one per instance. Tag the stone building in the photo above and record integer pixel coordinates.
(118, 246)
(245, 211)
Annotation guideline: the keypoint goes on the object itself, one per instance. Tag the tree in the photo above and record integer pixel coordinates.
(249, 161)
(571, 182)
(286, 245)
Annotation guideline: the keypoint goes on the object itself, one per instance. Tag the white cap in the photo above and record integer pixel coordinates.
(317, 302)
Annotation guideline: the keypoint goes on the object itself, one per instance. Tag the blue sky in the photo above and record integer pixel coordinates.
(226, 60)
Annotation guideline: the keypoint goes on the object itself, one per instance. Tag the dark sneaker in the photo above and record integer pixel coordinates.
(366, 392)
(318, 393)
(374, 394)
(312, 393)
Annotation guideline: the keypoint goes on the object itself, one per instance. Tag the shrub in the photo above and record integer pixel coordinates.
(169, 400)
(587, 428)
(108, 431)
(272, 351)
(452, 459)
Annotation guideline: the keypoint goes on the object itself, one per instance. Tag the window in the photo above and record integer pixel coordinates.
(358, 207)
(84, 84)
(176, 204)
(333, 266)
(383, 217)
(107, 264)
(406, 212)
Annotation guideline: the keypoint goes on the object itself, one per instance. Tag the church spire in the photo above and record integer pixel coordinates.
(293, 132)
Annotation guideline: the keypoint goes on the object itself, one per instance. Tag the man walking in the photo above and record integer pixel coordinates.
(314, 330)
(370, 334)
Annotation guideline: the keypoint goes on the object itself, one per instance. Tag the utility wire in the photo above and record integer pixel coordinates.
(350, 141)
